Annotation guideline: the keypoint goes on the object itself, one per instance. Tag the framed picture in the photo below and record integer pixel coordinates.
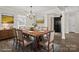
(40, 20)
(7, 19)
(7, 22)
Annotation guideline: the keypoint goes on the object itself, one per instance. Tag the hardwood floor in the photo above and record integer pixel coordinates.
(6, 46)
(70, 44)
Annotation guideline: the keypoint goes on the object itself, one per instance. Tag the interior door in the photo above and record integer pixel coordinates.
(57, 24)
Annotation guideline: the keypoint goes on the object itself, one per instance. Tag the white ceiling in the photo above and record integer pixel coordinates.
(23, 10)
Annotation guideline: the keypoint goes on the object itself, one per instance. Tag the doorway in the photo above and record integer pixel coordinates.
(57, 24)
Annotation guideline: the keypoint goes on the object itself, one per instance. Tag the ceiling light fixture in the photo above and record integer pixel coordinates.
(30, 14)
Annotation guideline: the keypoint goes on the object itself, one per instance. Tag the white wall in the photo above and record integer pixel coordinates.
(72, 22)
(19, 20)
(77, 22)
(67, 23)
(0, 22)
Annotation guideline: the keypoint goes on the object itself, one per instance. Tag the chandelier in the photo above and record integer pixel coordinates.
(30, 14)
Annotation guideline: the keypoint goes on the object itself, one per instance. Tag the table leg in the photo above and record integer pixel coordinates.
(36, 44)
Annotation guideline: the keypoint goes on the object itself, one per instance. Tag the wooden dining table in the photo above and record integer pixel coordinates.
(36, 35)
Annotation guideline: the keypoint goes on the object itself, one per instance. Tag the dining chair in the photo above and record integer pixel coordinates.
(20, 41)
(23, 28)
(47, 42)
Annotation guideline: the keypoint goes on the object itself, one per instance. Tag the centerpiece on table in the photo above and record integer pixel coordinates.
(33, 27)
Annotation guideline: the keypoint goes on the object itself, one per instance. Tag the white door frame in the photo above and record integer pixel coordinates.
(62, 24)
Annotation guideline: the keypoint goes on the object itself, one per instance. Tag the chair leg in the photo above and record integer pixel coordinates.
(17, 47)
(53, 47)
(14, 47)
(32, 47)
